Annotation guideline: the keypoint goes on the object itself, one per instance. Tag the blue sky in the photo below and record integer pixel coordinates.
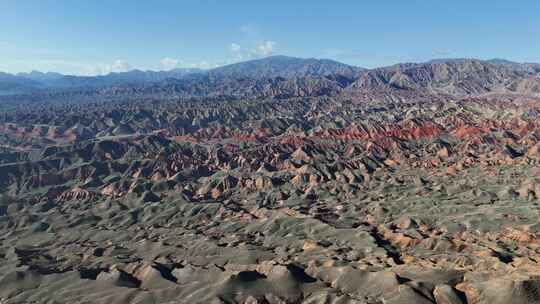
(99, 36)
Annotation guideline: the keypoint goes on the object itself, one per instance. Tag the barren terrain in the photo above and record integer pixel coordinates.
(416, 183)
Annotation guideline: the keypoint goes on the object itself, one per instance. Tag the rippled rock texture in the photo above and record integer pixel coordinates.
(332, 198)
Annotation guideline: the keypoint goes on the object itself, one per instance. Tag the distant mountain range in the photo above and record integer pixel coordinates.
(35, 80)
(282, 76)
(270, 67)
(12, 84)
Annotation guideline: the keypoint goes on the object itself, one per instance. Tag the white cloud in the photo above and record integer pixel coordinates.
(237, 53)
(262, 49)
(202, 65)
(235, 48)
(265, 48)
(69, 67)
(169, 63)
(118, 66)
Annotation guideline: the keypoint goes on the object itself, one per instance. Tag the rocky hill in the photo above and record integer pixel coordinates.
(455, 77)
(285, 67)
(416, 183)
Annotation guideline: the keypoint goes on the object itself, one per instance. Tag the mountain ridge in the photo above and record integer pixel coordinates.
(274, 75)
(36, 74)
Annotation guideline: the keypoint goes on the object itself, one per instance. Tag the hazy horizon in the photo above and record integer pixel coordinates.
(207, 69)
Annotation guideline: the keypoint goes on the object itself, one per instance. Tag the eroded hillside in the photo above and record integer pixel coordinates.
(320, 199)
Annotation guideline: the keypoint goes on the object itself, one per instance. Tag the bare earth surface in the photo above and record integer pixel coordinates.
(374, 193)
